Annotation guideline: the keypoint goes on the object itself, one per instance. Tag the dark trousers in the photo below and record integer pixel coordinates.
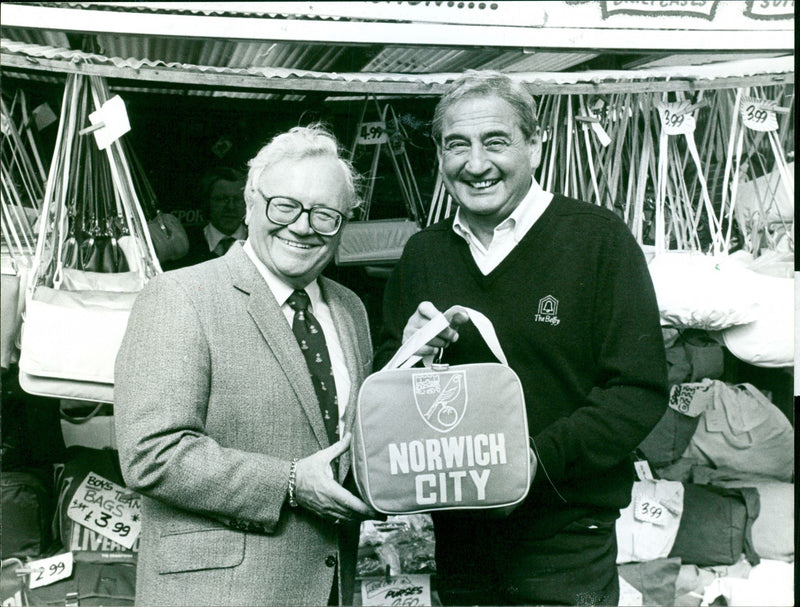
(485, 562)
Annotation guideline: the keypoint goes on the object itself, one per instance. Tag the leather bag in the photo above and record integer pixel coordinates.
(76, 316)
(445, 437)
(169, 237)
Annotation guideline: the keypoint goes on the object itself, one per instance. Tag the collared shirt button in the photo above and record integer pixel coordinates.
(330, 560)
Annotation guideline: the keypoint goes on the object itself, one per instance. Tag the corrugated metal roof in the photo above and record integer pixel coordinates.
(397, 60)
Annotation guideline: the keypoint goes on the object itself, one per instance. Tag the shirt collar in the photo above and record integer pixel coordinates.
(214, 236)
(521, 219)
(280, 289)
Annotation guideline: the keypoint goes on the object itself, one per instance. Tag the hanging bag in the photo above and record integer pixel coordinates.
(445, 437)
(76, 316)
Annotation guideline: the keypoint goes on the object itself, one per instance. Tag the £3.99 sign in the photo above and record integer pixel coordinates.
(759, 114)
(676, 118)
(107, 508)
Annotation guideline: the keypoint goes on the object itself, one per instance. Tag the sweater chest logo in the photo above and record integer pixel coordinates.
(548, 311)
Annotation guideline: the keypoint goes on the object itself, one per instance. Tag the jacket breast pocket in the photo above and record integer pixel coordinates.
(198, 549)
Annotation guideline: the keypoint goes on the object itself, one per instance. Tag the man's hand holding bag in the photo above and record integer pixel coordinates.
(442, 437)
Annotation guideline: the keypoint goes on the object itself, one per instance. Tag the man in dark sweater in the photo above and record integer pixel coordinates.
(568, 291)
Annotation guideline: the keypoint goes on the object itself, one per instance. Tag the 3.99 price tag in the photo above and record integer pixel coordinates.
(107, 508)
(676, 118)
(372, 133)
(50, 570)
(649, 511)
(759, 114)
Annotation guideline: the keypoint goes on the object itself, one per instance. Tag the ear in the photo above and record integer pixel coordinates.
(248, 212)
(535, 150)
(439, 156)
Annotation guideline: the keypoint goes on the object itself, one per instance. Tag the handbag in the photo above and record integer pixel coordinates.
(12, 291)
(445, 437)
(768, 341)
(84, 281)
(166, 231)
(742, 430)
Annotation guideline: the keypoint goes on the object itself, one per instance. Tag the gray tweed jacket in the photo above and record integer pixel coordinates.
(212, 401)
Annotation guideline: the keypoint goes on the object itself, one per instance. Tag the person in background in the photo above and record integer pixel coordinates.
(221, 191)
(568, 291)
(234, 399)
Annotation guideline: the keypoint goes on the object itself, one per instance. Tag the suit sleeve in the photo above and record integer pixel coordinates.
(161, 391)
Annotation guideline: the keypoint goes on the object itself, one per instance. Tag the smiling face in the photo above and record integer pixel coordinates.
(295, 252)
(485, 160)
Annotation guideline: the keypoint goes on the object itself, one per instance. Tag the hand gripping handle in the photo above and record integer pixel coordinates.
(406, 357)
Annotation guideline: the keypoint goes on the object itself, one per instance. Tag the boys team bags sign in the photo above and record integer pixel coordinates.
(442, 437)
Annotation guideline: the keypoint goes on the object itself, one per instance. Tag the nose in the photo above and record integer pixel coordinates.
(478, 161)
(301, 225)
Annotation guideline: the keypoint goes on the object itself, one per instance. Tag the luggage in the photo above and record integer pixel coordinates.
(90, 584)
(444, 437)
(26, 510)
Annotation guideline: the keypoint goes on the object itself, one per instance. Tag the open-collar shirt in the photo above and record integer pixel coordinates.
(214, 236)
(508, 232)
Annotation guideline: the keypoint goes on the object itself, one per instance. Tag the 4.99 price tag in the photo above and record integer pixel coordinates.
(107, 508)
(676, 118)
(372, 133)
(50, 570)
(759, 114)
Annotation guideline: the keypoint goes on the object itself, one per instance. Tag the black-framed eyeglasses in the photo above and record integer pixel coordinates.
(284, 211)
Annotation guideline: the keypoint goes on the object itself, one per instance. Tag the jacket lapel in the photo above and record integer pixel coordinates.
(268, 317)
(347, 337)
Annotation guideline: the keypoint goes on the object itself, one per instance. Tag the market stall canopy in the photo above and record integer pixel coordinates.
(253, 49)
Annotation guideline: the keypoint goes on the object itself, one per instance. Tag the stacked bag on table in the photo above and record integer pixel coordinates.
(713, 522)
(717, 518)
(104, 572)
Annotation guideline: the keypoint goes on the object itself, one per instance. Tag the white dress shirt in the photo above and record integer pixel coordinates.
(322, 312)
(214, 236)
(508, 232)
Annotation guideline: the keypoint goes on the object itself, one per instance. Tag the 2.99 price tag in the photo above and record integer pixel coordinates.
(759, 114)
(649, 511)
(50, 570)
(107, 508)
(372, 133)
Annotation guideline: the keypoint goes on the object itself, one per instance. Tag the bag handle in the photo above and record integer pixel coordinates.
(406, 357)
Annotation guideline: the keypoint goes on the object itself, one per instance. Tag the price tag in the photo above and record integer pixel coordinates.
(410, 590)
(643, 471)
(759, 114)
(675, 118)
(44, 116)
(649, 511)
(602, 136)
(110, 510)
(112, 118)
(372, 133)
(50, 570)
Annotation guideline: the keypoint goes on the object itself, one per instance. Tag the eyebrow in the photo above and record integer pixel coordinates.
(486, 135)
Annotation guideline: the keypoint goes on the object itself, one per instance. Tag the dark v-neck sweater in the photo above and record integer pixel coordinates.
(575, 312)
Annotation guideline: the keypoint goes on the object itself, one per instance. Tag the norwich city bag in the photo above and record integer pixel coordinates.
(445, 437)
